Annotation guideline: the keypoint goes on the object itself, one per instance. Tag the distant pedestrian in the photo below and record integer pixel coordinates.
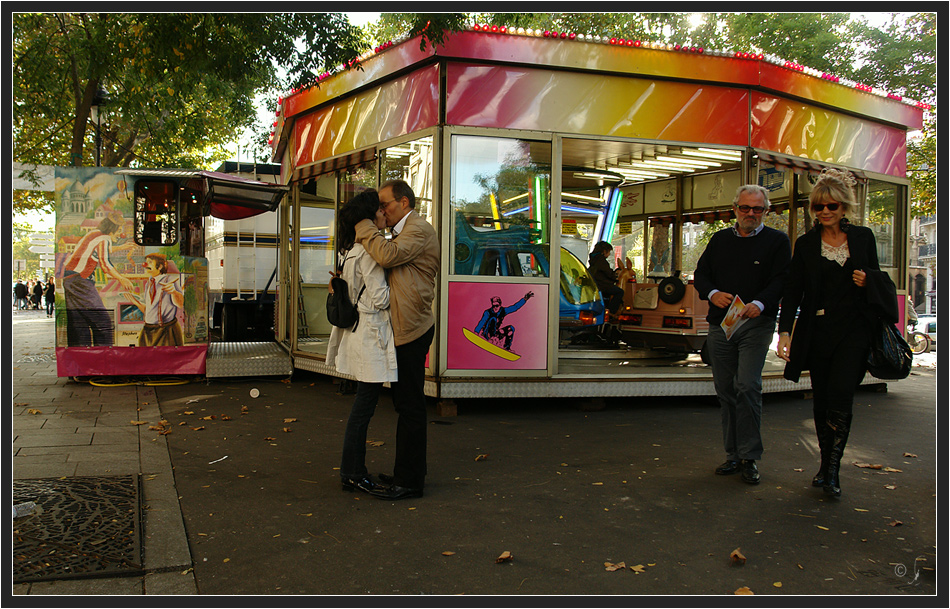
(50, 296)
(19, 294)
(37, 297)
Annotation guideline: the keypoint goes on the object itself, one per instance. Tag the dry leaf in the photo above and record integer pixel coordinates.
(504, 557)
(210, 417)
(290, 420)
(269, 439)
(893, 470)
(798, 469)
(375, 443)
(225, 417)
(198, 428)
(860, 510)
(34, 411)
(288, 430)
(911, 455)
(868, 466)
(189, 412)
(890, 487)
(777, 584)
(737, 557)
(895, 523)
(609, 566)
(138, 422)
(745, 590)
(637, 569)
(481, 457)
(822, 528)
(448, 553)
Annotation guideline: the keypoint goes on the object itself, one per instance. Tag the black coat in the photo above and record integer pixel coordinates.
(802, 291)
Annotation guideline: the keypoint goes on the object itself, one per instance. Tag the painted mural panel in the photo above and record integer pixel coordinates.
(114, 293)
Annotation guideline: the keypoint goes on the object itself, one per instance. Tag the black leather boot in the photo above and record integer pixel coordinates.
(841, 423)
(824, 433)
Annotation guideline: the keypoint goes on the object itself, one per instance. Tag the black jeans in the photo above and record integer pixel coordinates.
(409, 400)
(353, 464)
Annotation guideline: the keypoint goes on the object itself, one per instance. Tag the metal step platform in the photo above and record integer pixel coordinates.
(230, 359)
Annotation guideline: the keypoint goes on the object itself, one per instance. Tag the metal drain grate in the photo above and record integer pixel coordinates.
(82, 527)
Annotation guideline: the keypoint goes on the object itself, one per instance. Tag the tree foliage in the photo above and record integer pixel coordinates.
(180, 86)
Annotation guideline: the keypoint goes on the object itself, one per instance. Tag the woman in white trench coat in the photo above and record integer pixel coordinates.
(366, 352)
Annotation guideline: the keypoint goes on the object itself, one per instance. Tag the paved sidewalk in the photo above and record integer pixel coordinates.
(67, 429)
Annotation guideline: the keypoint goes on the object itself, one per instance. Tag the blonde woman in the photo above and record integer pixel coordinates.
(832, 335)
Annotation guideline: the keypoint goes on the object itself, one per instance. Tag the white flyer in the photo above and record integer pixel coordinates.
(732, 320)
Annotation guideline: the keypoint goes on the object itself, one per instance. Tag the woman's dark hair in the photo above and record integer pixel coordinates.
(361, 207)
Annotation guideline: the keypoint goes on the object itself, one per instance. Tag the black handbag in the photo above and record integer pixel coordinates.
(890, 357)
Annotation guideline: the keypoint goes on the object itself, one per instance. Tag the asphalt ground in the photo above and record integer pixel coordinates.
(570, 494)
(567, 493)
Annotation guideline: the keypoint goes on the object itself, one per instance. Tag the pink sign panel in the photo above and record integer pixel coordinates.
(497, 326)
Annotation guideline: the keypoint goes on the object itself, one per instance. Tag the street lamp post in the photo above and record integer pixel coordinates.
(99, 101)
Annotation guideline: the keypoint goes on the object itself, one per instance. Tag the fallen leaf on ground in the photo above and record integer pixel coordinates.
(637, 569)
(868, 466)
(745, 590)
(890, 487)
(288, 430)
(821, 527)
(448, 553)
(777, 584)
(197, 428)
(895, 523)
(481, 457)
(504, 557)
(375, 443)
(138, 422)
(609, 566)
(210, 417)
(269, 439)
(737, 557)
(34, 411)
(893, 470)
(290, 420)
(911, 455)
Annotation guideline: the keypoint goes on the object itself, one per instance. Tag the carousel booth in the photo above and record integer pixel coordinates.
(525, 149)
(132, 276)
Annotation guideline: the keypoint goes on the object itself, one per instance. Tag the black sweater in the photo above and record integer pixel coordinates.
(754, 268)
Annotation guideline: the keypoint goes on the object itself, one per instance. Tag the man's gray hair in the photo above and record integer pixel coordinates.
(755, 188)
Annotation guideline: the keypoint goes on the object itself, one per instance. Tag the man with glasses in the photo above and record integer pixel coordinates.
(412, 260)
(743, 268)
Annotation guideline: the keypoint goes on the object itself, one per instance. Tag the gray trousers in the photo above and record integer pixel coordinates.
(737, 374)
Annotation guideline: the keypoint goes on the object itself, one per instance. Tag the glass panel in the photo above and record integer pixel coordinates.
(354, 180)
(500, 196)
(156, 212)
(627, 240)
(879, 215)
(316, 244)
(411, 162)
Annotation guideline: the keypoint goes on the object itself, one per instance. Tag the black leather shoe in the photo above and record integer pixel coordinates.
(396, 492)
(750, 473)
(366, 484)
(728, 468)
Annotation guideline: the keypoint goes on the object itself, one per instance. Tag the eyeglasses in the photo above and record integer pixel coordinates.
(757, 209)
(820, 206)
